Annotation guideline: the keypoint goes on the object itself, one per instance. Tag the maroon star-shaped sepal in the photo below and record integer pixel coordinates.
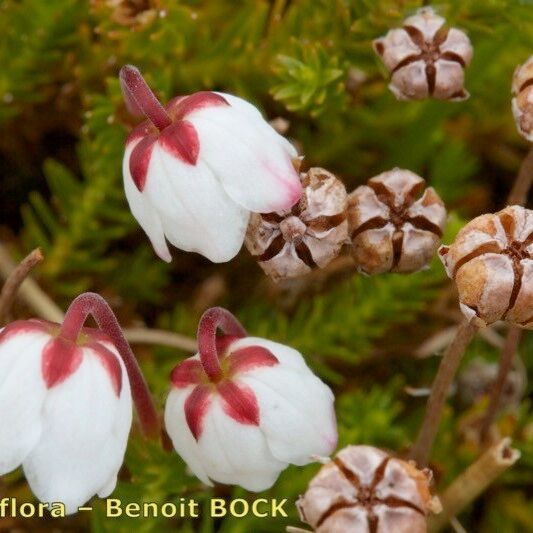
(179, 138)
(61, 357)
(238, 400)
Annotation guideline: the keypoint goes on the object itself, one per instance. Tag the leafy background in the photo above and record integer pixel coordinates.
(310, 62)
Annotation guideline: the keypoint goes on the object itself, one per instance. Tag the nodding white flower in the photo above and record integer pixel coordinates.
(66, 403)
(244, 408)
(65, 411)
(196, 169)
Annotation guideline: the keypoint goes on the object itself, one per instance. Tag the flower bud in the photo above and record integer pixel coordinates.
(65, 411)
(491, 262)
(392, 230)
(291, 243)
(244, 408)
(426, 58)
(199, 166)
(364, 489)
(523, 99)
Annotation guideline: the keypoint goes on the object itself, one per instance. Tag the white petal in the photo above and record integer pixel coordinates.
(143, 211)
(22, 393)
(286, 355)
(235, 453)
(180, 434)
(108, 488)
(85, 431)
(296, 413)
(196, 213)
(253, 114)
(246, 155)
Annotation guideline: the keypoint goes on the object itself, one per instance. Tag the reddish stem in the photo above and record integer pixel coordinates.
(506, 362)
(140, 99)
(15, 280)
(439, 390)
(212, 320)
(93, 304)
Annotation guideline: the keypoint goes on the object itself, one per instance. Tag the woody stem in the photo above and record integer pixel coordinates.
(93, 304)
(522, 184)
(212, 320)
(473, 481)
(509, 349)
(517, 196)
(140, 99)
(15, 280)
(441, 385)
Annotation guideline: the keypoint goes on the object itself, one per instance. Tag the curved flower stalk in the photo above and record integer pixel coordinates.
(199, 166)
(66, 403)
(244, 408)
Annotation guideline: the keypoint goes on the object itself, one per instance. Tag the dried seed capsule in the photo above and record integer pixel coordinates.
(523, 99)
(392, 230)
(426, 58)
(364, 489)
(479, 376)
(491, 262)
(291, 243)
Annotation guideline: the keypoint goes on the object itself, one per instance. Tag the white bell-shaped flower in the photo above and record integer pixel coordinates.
(65, 411)
(244, 408)
(196, 169)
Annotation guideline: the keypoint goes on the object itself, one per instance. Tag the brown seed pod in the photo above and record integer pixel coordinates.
(292, 243)
(426, 58)
(491, 262)
(523, 99)
(392, 230)
(366, 490)
(478, 379)
(133, 12)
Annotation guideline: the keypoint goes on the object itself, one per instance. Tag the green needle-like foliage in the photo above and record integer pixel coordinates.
(311, 63)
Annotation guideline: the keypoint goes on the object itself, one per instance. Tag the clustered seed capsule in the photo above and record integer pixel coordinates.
(392, 230)
(491, 262)
(426, 58)
(291, 243)
(366, 490)
(523, 98)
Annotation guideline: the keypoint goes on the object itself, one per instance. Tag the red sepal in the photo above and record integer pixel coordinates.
(249, 358)
(32, 325)
(60, 359)
(140, 160)
(110, 363)
(196, 406)
(239, 402)
(142, 130)
(188, 372)
(180, 107)
(181, 140)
